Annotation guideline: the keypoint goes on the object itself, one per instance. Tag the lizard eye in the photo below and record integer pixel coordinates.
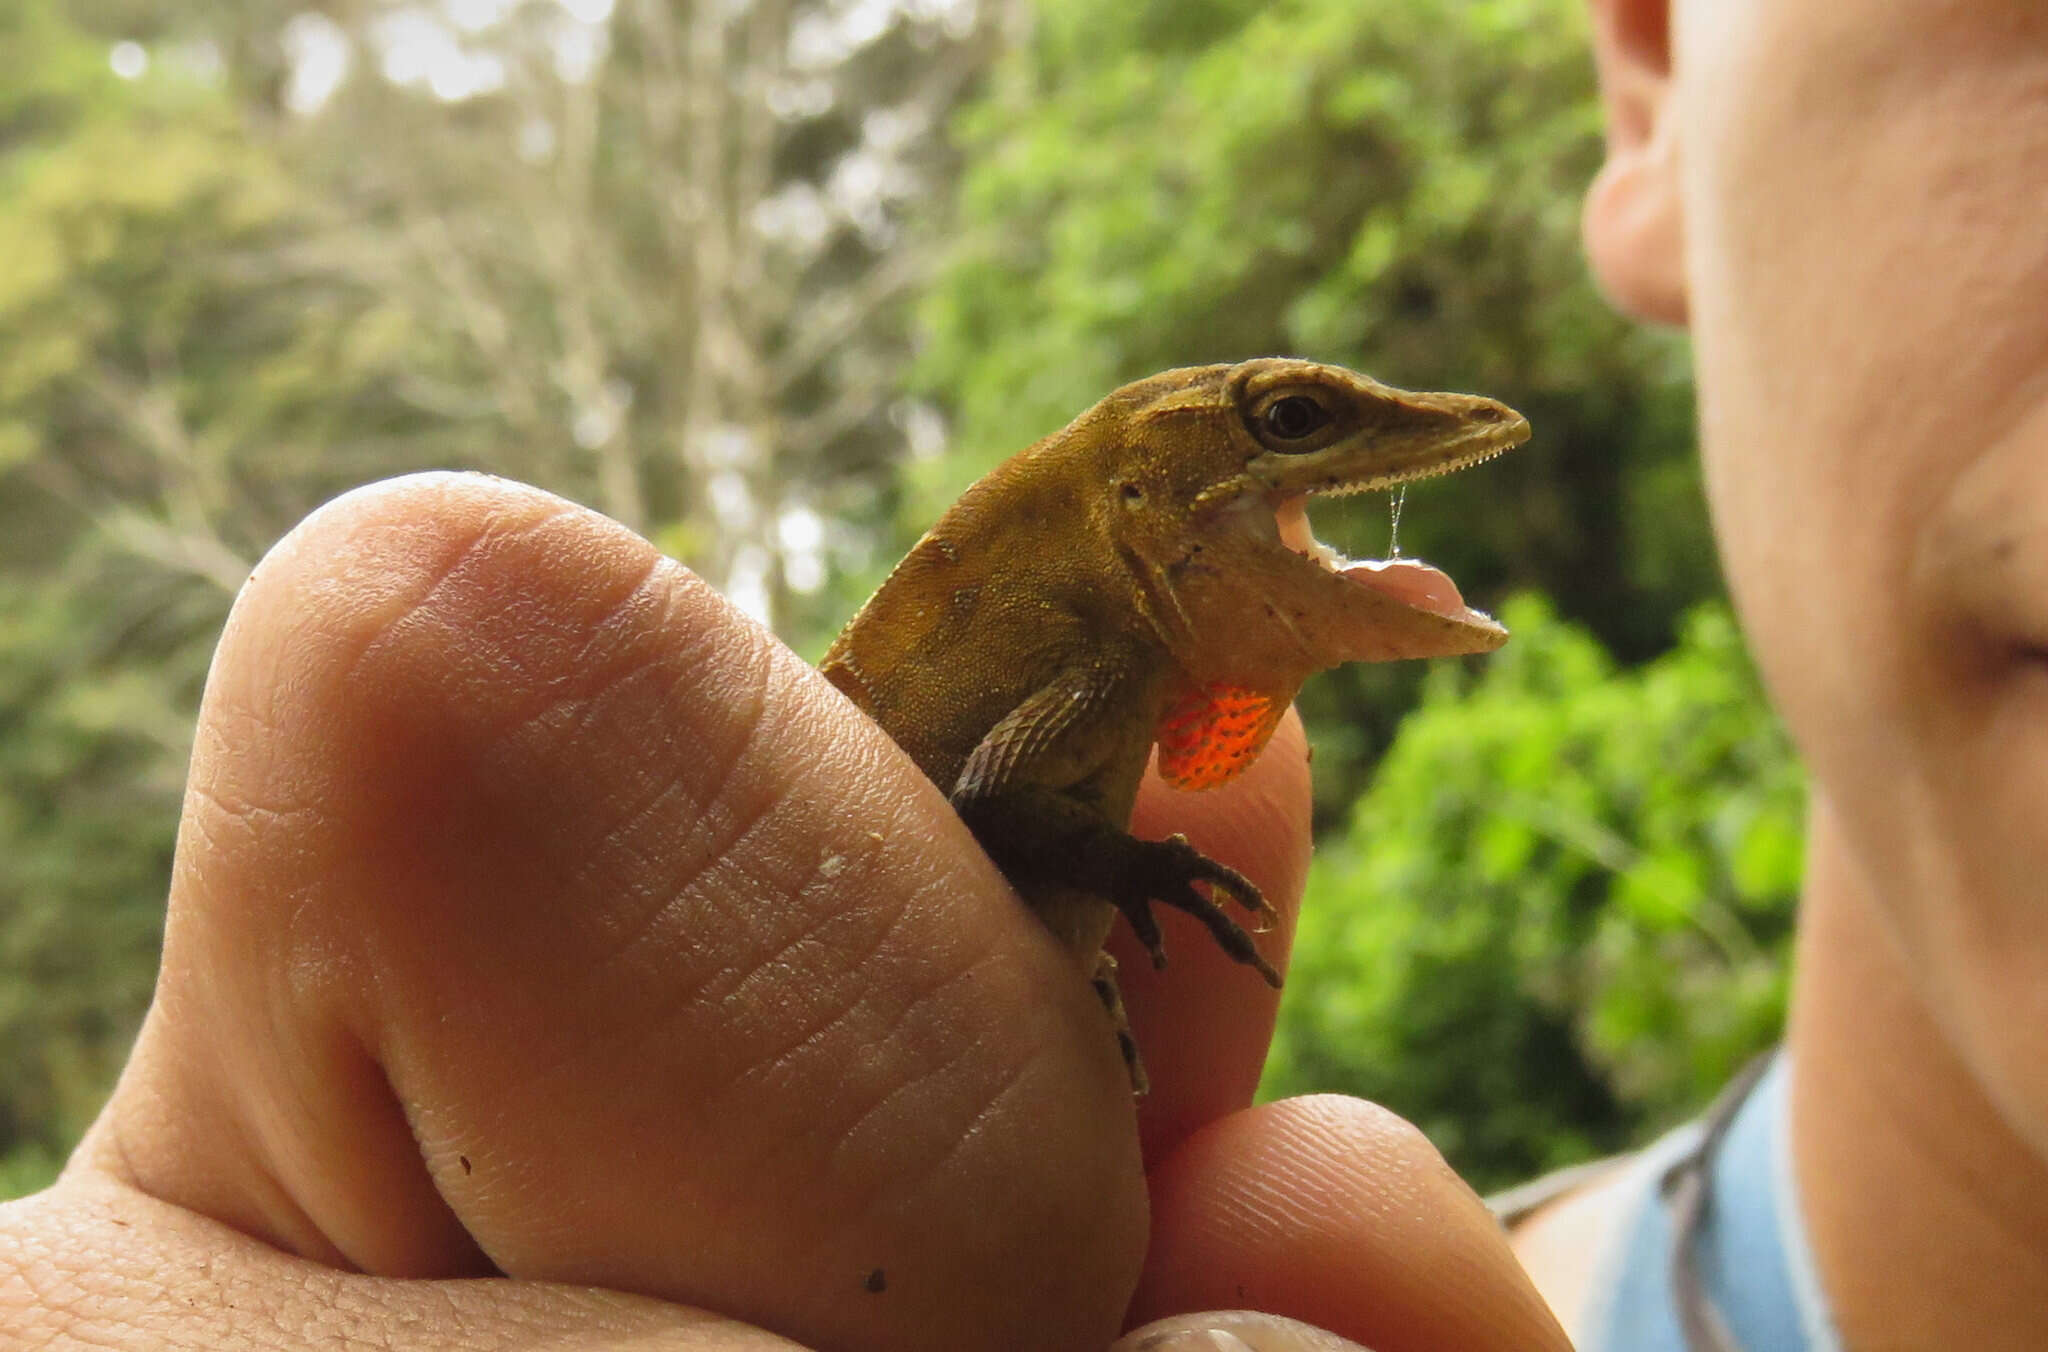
(1295, 417)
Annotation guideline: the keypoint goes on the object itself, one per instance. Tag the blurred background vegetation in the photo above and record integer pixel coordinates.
(770, 282)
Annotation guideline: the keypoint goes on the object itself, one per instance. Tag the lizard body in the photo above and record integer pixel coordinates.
(1146, 576)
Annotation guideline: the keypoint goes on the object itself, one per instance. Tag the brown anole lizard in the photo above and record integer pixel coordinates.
(1146, 576)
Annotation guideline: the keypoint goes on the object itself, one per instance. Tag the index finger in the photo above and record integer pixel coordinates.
(1204, 1022)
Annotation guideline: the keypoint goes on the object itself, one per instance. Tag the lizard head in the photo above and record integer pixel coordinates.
(1210, 470)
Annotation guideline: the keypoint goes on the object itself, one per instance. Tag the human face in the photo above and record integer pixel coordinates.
(1862, 191)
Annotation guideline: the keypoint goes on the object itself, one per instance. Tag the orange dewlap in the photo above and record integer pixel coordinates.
(1210, 734)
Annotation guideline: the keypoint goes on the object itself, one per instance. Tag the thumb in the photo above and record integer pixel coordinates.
(535, 913)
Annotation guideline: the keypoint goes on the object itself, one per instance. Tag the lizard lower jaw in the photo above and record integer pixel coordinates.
(1409, 581)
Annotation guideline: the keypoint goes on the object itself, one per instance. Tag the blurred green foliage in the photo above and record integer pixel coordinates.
(113, 198)
(1561, 915)
(1551, 904)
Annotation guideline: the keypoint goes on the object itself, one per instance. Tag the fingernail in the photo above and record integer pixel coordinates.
(1232, 1331)
(1193, 1340)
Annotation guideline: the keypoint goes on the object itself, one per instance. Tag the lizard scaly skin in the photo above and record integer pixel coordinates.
(1145, 576)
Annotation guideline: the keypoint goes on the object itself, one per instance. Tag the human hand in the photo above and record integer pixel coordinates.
(536, 915)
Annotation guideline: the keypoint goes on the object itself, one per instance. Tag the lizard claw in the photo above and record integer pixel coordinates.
(1240, 888)
(1169, 869)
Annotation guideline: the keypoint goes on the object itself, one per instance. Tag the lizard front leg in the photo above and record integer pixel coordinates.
(1047, 793)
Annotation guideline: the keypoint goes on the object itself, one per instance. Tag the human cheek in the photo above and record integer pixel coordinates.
(1865, 189)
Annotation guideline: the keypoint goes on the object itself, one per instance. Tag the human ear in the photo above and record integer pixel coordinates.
(1633, 224)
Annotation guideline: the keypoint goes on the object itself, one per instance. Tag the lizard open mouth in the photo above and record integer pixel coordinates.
(1409, 581)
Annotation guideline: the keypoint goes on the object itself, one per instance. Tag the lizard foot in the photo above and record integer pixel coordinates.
(1049, 844)
(1166, 870)
(1104, 981)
